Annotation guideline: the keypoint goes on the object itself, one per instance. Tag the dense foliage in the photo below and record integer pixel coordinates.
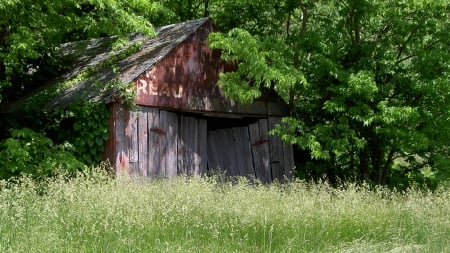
(31, 153)
(367, 82)
(30, 34)
(31, 30)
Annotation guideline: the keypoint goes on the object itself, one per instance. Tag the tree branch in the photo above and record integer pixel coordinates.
(304, 19)
(408, 39)
(404, 58)
(413, 55)
(382, 32)
(206, 9)
(304, 23)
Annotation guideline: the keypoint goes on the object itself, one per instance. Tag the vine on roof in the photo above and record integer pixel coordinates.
(77, 130)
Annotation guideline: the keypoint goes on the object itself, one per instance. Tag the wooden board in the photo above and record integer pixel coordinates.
(276, 151)
(202, 146)
(260, 150)
(120, 148)
(143, 141)
(243, 150)
(162, 134)
(133, 137)
(188, 138)
(172, 145)
(220, 156)
(264, 135)
(254, 137)
(222, 152)
(192, 157)
(153, 144)
(183, 145)
(227, 150)
(214, 161)
(133, 143)
(180, 147)
(288, 153)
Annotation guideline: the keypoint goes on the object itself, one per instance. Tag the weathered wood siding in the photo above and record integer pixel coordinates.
(158, 143)
(185, 79)
(281, 154)
(250, 151)
(152, 142)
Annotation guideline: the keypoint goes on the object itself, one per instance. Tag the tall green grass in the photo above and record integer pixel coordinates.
(94, 214)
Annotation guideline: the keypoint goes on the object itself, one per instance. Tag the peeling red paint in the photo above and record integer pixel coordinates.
(190, 71)
(260, 142)
(186, 79)
(122, 163)
(158, 131)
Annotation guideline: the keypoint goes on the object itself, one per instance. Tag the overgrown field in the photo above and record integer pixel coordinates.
(94, 214)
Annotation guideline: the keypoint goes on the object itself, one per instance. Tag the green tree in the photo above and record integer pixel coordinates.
(31, 33)
(188, 9)
(367, 81)
(31, 30)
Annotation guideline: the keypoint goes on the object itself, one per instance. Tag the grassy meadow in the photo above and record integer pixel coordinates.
(95, 214)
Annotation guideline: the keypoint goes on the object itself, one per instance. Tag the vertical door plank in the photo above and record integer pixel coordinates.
(184, 138)
(172, 145)
(223, 155)
(193, 147)
(188, 131)
(221, 158)
(249, 168)
(143, 142)
(202, 146)
(243, 152)
(121, 159)
(153, 144)
(133, 142)
(228, 150)
(256, 156)
(133, 137)
(239, 151)
(213, 154)
(276, 151)
(260, 150)
(180, 146)
(191, 152)
(264, 135)
(162, 130)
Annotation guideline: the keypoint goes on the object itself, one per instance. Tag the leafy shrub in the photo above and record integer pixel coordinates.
(85, 125)
(30, 152)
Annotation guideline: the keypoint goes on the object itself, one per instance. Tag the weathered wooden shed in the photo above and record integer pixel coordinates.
(182, 124)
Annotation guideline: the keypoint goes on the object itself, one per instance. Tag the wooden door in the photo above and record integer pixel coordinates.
(164, 144)
(192, 146)
(229, 150)
(250, 151)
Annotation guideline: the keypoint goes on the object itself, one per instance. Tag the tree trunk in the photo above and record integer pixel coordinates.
(387, 167)
(3, 35)
(381, 164)
(189, 11)
(206, 10)
(377, 160)
(364, 170)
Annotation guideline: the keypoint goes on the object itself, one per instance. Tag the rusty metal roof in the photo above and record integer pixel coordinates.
(95, 55)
